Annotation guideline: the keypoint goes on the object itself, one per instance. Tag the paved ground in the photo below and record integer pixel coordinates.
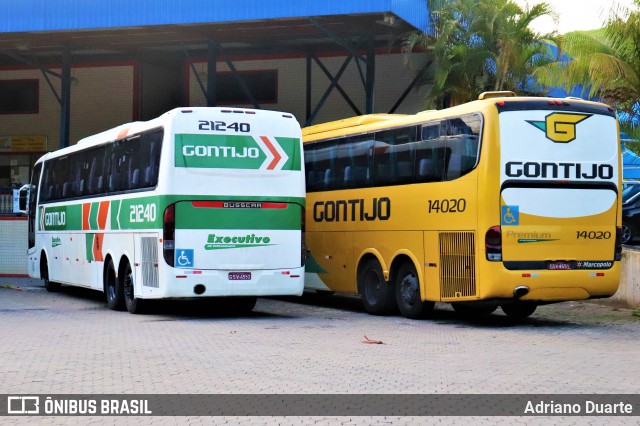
(69, 342)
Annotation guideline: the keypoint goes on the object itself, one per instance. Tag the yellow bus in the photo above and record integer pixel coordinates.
(505, 201)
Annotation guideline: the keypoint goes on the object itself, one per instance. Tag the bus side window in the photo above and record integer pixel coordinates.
(449, 148)
(310, 166)
(463, 142)
(114, 172)
(319, 159)
(395, 156)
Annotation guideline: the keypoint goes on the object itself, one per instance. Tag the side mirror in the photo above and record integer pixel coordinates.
(21, 199)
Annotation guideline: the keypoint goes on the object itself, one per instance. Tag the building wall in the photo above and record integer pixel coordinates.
(106, 95)
(13, 246)
(392, 78)
(102, 96)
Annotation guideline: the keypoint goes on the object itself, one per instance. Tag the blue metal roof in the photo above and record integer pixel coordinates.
(58, 15)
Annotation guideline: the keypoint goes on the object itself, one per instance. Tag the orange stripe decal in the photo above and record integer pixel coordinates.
(97, 247)
(86, 208)
(102, 215)
(276, 156)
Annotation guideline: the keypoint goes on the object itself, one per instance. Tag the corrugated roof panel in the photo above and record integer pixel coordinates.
(44, 15)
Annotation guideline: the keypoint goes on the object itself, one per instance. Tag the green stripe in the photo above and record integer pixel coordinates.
(231, 152)
(218, 151)
(115, 205)
(189, 217)
(93, 215)
(73, 212)
(89, 246)
(292, 147)
(62, 218)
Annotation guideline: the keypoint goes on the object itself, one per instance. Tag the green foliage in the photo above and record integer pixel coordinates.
(478, 45)
(606, 63)
(633, 146)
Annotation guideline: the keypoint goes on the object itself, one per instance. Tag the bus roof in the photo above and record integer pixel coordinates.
(373, 122)
(360, 120)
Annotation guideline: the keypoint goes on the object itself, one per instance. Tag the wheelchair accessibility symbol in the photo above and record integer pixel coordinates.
(510, 216)
(184, 258)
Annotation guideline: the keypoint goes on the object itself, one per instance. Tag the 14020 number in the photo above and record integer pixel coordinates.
(452, 205)
(593, 235)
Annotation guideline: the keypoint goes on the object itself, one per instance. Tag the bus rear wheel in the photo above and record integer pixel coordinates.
(133, 304)
(378, 296)
(519, 309)
(113, 288)
(408, 296)
(627, 232)
(473, 311)
(51, 286)
(243, 305)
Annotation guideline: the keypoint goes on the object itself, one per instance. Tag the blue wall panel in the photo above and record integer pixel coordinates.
(56, 15)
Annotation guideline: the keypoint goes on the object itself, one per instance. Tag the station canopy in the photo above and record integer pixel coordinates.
(38, 32)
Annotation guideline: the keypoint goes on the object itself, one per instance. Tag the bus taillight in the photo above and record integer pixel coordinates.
(493, 243)
(168, 234)
(618, 255)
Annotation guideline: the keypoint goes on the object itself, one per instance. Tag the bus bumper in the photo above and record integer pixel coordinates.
(549, 285)
(180, 284)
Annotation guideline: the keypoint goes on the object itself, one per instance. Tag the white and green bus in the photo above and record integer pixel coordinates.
(200, 202)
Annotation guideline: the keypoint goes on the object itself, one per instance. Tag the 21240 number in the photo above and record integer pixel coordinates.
(221, 126)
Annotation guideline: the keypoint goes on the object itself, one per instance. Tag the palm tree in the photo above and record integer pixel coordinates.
(478, 45)
(517, 50)
(605, 64)
(453, 64)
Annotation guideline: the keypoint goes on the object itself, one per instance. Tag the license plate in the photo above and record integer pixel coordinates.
(239, 276)
(559, 266)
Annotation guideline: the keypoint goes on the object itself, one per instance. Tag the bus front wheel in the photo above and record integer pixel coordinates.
(133, 304)
(51, 286)
(519, 309)
(113, 288)
(408, 296)
(378, 296)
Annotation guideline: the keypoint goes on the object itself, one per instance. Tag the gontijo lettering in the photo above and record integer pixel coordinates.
(533, 169)
(55, 218)
(219, 151)
(352, 210)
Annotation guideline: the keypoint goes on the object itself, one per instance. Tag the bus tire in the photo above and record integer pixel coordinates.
(408, 296)
(519, 309)
(378, 296)
(472, 310)
(628, 232)
(134, 305)
(51, 286)
(113, 288)
(243, 305)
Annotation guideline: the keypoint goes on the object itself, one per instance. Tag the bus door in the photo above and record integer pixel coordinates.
(559, 189)
(32, 207)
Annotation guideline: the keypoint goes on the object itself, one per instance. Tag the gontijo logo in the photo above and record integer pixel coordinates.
(560, 127)
(233, 151)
